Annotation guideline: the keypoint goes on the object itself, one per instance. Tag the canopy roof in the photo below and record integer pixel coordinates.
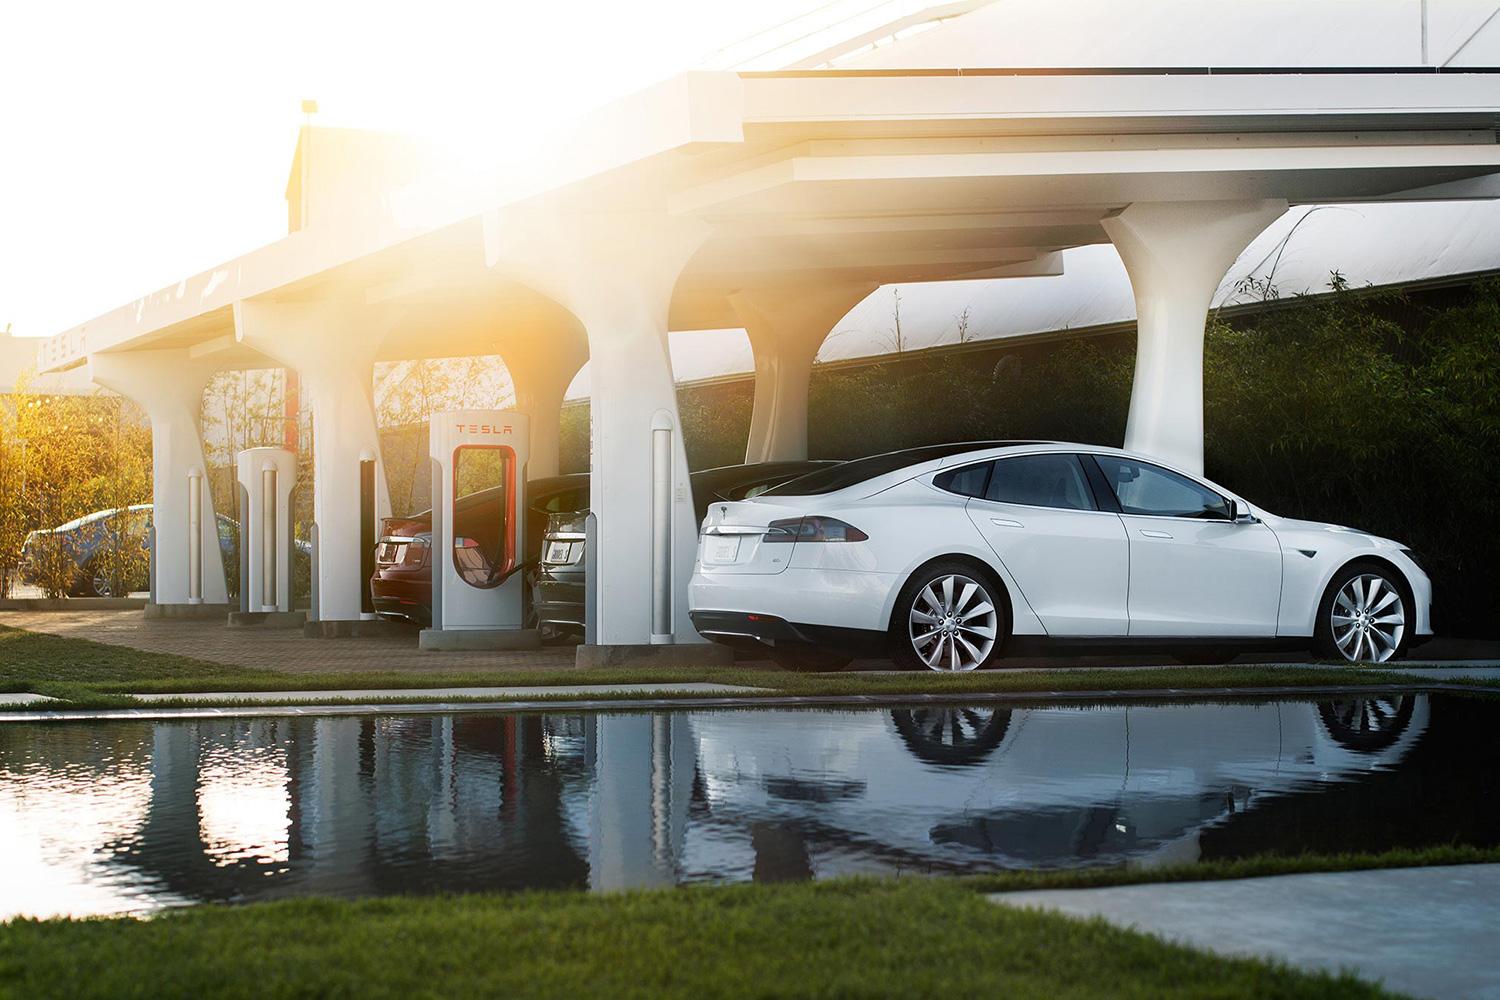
(911, 162)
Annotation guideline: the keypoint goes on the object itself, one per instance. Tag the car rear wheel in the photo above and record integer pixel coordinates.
(949, 617)
(1364, 616)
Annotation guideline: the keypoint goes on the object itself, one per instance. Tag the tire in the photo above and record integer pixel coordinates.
(808, 658)
(91, 583)
(1365, 615)
(964, 629)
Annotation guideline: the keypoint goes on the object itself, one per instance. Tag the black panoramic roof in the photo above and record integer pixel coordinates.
(846, 474)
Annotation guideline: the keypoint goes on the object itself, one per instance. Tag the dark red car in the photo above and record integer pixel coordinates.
(402, 584)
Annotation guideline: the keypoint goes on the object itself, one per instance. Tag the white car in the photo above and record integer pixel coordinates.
(949, 555)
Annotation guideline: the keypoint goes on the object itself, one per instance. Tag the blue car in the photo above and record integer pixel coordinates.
(85, 538)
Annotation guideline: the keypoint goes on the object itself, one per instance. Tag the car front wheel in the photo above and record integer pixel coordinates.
(1364, 616)
(949, 617)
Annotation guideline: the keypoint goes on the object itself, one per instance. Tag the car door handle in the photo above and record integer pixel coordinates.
(1150, 533)
(1006, 522)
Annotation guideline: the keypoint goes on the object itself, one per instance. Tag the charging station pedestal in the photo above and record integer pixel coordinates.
(266, 477)
(478, 531)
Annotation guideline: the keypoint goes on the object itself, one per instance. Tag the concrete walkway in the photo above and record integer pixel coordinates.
(1423, 931)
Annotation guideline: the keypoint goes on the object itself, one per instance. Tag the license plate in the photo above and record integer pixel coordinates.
(559, 552)
(722, 549)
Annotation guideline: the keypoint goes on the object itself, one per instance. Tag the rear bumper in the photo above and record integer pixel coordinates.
(742, 628)
(841, 599)
(558, 599)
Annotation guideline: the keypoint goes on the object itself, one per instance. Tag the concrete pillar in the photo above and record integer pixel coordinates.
(1176, 254)
(332, 346)
(168, 385)
(615, 273)
(787, 325)
(541, 369)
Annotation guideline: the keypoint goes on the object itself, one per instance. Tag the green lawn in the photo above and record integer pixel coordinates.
(910, 937)
(96, 675)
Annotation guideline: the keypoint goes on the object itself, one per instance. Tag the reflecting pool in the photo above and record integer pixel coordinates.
(115, 817)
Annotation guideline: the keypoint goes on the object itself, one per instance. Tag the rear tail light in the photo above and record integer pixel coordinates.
(814, 528)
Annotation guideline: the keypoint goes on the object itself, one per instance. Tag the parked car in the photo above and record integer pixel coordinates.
(402, 584)
(84, 539)
(947, 555)
(558, 595)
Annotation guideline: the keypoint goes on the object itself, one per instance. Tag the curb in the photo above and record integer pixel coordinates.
(724, 702)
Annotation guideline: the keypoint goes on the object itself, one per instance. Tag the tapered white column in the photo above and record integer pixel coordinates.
(168, 385)
(333, 348)
(787, 325)
(616, 274)
(541, 369)
(1176, 254)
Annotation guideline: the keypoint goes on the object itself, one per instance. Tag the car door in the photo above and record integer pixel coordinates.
(1070, 559)
(1194, 572)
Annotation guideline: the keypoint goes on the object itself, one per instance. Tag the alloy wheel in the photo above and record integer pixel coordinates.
(1368, 619)
(101, 586)
(953, 623)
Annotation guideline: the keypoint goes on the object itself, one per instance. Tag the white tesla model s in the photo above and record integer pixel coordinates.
(949, 555)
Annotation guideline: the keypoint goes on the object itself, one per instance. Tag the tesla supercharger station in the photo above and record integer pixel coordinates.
(478, 531)
(266, 478)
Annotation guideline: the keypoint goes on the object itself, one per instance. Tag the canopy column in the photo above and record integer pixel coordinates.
(787, 325)
(168, 385)
(1176, 254)
(332, 346)
(616, 273)
(541, 376)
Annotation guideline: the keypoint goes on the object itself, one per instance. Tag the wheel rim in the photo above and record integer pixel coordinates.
(101, 586)
(953, 623)
(1368, 619)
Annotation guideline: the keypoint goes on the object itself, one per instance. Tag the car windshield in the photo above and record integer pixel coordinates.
(846, 474)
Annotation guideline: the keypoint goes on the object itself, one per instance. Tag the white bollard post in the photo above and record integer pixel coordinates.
(195, 536)
(661, 529)
(269, 536)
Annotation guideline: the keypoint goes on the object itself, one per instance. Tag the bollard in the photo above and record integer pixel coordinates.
(268, 546)
(195, 536)
(661, 530)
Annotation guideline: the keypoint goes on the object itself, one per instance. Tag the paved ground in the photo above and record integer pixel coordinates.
(276, 649)
(287, 650)
(1424, 931)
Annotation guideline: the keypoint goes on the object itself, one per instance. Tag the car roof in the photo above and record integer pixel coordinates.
(894, 467)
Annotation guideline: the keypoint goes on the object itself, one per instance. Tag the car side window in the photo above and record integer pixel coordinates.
(1054, 480)
(1149, 489)
(967, 481)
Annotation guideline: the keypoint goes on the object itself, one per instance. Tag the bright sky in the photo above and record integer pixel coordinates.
(143, 142)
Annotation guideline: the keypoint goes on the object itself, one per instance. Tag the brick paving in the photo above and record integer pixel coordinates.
(286, 650)
(277, 649)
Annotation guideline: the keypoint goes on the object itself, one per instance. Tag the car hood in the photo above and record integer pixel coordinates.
(1291, 527)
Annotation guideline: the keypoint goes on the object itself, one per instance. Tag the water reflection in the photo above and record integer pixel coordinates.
(129, 817)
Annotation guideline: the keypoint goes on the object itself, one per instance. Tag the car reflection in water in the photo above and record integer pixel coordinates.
(132, 816)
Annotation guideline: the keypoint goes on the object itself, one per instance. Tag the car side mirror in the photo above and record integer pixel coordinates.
(1239, 513)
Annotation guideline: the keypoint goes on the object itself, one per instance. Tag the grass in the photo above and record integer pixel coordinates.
(87, 674)
(907, 937)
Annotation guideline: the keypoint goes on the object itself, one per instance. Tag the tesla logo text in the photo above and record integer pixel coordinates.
(485, 428)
